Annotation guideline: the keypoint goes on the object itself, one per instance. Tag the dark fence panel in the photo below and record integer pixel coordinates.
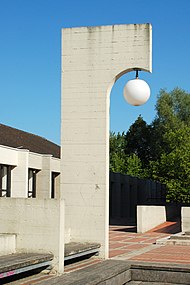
(126, 192)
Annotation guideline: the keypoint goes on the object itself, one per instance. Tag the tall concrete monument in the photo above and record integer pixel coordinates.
(93, 58)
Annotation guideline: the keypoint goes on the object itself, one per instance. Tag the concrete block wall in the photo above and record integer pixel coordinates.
(93, 58)
(149, 217)
(185, 219)
(38, 225)
(7, 244)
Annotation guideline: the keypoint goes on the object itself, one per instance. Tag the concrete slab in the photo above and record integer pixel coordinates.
(106, 272)
(21, 262)
(75, 250)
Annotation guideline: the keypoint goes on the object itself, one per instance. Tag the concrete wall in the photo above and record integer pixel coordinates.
(19, 176)
(44, 178)
(8, 155)
(185, 219)
(38, 225)
(93, 58)
(149, 217)
(7, 244)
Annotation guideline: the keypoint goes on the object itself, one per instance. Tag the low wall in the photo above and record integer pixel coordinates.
(185, 219)
(149, 217)
(38, 224)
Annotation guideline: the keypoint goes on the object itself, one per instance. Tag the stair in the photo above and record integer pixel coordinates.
(147, 273)
(177, 239)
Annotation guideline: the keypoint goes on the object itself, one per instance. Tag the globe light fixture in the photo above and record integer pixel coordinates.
(136, 91)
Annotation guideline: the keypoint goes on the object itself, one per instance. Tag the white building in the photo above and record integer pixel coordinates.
(29, 165)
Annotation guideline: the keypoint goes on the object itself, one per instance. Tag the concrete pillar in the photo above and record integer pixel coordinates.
(43, 180)
(93, 58)
(19, 176)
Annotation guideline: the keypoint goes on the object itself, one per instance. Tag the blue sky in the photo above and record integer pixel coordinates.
(30, 61)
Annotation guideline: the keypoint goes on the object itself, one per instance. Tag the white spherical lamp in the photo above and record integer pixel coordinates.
(136, 91)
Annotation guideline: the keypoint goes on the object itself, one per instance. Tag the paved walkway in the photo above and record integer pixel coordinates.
(125, 244)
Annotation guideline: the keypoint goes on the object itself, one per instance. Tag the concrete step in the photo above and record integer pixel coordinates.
(17, 263)
(108, 272)
(160, 273)
(180, 236)
(149, 283)
(177, 239)
(75, 250)
(7, 244)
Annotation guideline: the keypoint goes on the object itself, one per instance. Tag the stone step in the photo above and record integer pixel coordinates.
(180, 237)
(149, 283)
(7, 244)
(107, 272)
(177, 239)
(16, 263)
(160, 273)
(75, 249)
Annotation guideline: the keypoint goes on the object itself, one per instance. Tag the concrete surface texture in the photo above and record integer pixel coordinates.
(38, 225)
(185, 217)
(93, 58)
(7, 244)
(149, 217)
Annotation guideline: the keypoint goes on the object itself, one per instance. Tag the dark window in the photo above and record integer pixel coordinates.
(53, 184)
(5, 180)
(32, 183)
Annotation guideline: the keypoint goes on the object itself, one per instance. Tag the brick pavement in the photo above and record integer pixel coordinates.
(125, 244)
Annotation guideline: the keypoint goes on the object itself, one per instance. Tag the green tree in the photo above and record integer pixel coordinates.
(161, 150)
(134, 166)
(173, 168)
(119, 161)
(138, 140)
(117, 153)
(173, 109)
(172, 113)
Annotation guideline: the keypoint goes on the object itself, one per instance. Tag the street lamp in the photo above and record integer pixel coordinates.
(136, 91)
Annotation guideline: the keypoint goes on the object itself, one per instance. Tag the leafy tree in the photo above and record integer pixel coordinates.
(173, 109)
(138, 140)
(134, 166)
(117, 154)
(173, 168)
(173, 113)
(119, 161)
(161, 150)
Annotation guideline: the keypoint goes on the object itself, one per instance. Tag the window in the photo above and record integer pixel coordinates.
(53, 184)
(5, 180)
(32, 183)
